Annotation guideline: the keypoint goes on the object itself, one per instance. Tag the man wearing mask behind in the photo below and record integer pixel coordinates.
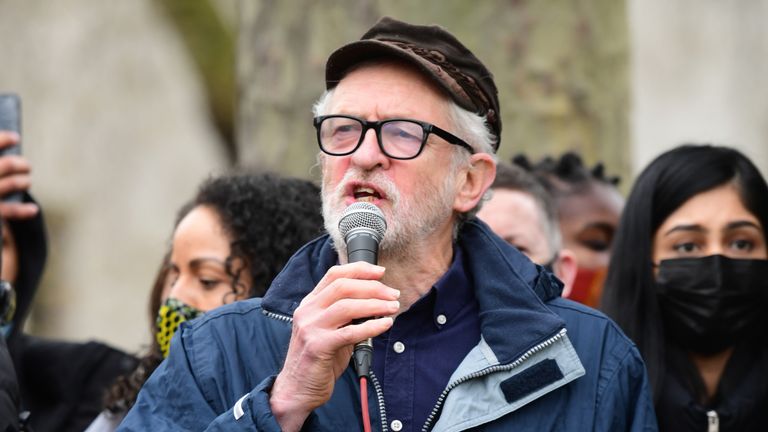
(522, 212)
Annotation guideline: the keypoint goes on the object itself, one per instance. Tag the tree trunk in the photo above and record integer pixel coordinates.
(561, 69)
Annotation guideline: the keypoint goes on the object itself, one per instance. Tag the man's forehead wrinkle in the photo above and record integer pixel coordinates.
(382, 91)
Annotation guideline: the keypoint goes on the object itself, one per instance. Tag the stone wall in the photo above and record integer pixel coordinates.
(118, 134)
(699, 74)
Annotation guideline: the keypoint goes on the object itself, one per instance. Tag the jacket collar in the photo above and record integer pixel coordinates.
(510, 290)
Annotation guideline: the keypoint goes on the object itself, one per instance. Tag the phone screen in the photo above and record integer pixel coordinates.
(10, 120)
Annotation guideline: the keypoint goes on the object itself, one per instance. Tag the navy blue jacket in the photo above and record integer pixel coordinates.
(543, 362)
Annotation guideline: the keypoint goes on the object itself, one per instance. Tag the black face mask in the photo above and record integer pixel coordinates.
(708, 304)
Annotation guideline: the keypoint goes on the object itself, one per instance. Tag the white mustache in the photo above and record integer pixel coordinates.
(381, 181)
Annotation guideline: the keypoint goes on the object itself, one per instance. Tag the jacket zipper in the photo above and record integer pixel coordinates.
(713, 421)
(487, 371)
(374, 380)
(380, 398)
(277, 316)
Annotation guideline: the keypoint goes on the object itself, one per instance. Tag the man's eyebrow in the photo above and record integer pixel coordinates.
(690, 227)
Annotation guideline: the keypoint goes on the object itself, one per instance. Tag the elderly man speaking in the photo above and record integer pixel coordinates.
(467, 333)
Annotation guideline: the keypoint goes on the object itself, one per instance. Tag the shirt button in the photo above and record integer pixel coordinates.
(396, 425)
(399, 347)
(441, 319)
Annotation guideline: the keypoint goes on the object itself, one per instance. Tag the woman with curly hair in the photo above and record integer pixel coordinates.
(228, 244)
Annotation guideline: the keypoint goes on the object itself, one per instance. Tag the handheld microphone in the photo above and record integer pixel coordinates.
(363, 226)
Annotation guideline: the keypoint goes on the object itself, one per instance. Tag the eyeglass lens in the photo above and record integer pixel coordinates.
(399, 138)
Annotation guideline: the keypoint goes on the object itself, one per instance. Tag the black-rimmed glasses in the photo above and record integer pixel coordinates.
(341, 135)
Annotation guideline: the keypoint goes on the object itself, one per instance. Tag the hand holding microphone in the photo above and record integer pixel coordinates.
(363, 226)
(322, 337)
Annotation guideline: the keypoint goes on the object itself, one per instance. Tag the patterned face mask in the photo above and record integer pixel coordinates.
(171, 314)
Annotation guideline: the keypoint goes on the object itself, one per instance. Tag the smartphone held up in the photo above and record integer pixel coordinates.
(10, 120)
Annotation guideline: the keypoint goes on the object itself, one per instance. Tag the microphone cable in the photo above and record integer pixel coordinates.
(362, 358)
(364, 404)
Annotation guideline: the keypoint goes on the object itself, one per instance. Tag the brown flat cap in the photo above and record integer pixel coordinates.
(432, 50)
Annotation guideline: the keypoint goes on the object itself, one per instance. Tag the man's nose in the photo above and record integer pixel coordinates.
(369, 154)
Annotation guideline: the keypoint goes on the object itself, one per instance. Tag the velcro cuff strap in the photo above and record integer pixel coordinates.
(535, 377)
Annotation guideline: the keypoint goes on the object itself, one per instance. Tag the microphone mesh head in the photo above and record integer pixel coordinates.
(363, 215)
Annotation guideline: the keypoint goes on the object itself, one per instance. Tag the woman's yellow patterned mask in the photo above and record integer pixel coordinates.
(172, 313)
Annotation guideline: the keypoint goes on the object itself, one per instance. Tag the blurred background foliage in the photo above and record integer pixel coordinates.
(211, 45)
(561, 69)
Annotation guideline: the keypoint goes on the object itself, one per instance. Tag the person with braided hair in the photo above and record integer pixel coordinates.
(589, 206)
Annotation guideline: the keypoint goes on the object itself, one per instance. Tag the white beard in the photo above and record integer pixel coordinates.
(411, 221)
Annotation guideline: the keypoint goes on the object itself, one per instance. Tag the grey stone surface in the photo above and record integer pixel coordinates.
(700, 74)
(117, 132)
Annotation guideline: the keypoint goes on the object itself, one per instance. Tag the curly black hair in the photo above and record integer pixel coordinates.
(269, 217)
(566, 174)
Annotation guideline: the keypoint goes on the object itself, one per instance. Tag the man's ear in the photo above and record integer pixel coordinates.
(474, 181)
(565, 269)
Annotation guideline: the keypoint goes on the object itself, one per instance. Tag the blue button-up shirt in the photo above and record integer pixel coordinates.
(415, 358)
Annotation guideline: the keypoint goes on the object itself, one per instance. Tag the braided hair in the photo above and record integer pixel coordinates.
(567, 174)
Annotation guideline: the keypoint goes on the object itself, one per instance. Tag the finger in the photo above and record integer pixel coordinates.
(359, 289)
(358, 270)
(18, 211)
(331, 342)
(346, 311)
(14, 183)
(13, 164)
(8, 138)
(326, 311)
(350, 288)
(371, 328)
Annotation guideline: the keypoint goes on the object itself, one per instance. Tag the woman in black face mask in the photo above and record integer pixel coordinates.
(688, 282)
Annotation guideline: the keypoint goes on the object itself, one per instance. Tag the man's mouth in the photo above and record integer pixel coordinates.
(365, 194)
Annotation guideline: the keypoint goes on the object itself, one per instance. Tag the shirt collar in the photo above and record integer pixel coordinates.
(453, 290)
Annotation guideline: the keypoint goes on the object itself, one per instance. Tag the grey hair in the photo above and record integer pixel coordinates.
(474, 129)
(320, 107)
